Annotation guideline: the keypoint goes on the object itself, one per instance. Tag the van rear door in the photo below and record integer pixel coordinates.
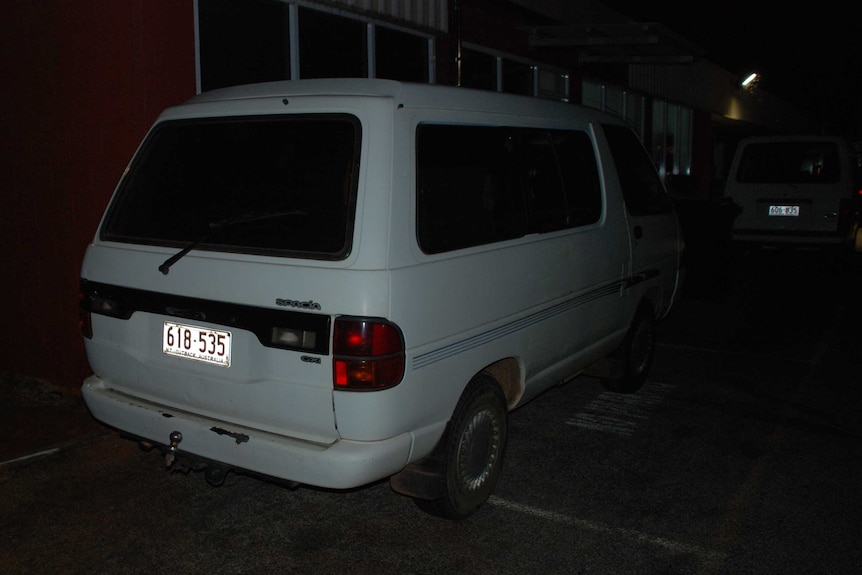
(791, 190)
(192, 285)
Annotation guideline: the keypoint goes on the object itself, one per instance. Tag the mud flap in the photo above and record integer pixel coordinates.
(420, 480)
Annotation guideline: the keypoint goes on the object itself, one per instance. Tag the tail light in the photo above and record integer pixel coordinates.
(368, 354)
(99, 299)
(84, 320)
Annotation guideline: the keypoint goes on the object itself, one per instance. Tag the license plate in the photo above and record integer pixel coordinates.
(198, 343)
(784, 211)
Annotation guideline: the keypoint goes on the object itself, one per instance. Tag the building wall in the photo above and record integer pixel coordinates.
(82, 81)
(705, 86)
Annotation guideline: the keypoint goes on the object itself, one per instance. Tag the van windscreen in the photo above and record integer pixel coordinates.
(282, 185)
(789, 163)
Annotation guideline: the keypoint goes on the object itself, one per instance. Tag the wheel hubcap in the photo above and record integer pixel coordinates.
(478, 450)
(641, 348)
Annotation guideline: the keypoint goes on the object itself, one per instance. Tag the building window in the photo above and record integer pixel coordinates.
(331, 46)
(634, 112)
(553, 85)
(250, 41)
(518, 78)
(400, 55)
(242, 42)
(671, 139)
(669, 142)
(614, 100)
(483, 69)
(659, 135)
(478, 70)
(684, 140)
(592, 95)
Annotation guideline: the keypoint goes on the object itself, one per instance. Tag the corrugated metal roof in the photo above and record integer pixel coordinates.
(429, 14)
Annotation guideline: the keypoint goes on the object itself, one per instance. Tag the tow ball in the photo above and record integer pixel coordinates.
(175, 438)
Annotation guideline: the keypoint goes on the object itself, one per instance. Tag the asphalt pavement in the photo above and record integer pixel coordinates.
(37, 418)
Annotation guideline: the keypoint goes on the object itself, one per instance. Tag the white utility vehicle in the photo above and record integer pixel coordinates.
(332, 282)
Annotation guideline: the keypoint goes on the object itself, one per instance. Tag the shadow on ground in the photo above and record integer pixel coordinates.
(36, 416)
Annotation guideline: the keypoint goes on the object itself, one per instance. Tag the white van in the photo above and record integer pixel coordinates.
(332, 282)
(793, 190)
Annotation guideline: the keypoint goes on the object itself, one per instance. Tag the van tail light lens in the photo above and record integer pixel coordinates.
(99, 299)
(368, 354)
(85, 322)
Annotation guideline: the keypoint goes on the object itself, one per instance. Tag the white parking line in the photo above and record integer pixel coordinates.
(31, 456)
(621, 413)
(709, 558)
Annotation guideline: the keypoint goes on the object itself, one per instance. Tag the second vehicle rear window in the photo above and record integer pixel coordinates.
(790, 163)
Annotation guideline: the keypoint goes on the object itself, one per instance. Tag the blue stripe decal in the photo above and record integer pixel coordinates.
(452, 349)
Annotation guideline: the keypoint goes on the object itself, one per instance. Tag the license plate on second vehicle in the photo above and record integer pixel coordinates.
(198, 343)
(783, 210)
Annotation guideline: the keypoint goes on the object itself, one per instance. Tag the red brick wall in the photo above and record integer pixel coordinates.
(82, 80)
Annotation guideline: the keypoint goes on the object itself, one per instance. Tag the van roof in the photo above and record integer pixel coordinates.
(406, 93)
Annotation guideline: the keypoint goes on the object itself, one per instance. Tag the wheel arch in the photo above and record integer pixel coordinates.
(652, 297)
(509, 375)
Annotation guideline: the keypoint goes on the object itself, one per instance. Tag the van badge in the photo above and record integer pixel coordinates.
(298, 304)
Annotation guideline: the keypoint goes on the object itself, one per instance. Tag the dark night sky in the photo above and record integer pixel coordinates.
(808, 54)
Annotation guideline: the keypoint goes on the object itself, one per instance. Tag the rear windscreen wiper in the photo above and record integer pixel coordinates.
(217, 226)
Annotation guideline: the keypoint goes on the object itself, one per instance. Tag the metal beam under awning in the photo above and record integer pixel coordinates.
(628, 43)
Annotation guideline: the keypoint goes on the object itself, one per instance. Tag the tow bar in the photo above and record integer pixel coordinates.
(175, 438)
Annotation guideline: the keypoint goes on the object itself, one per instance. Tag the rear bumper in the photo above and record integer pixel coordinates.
(790, 237)
(342, 465)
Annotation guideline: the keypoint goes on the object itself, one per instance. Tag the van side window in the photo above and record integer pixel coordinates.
(479, 184)
(543, 186)
(580, 177)
(790, 163)
(641, 186)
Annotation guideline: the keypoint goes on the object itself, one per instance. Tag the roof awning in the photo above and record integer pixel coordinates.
(630, 43)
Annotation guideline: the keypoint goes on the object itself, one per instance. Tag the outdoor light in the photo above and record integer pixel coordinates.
(751, 78)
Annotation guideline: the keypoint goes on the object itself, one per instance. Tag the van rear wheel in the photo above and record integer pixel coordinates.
(634, 356)
(471, 452)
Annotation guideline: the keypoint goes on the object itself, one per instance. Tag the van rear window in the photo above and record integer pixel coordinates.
(789, 163)
(281, 185)
(483, 184)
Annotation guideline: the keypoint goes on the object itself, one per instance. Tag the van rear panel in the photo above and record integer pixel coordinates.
(792, 190)
(230, 371)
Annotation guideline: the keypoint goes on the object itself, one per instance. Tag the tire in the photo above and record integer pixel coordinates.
(634, 356)
(471, 451)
